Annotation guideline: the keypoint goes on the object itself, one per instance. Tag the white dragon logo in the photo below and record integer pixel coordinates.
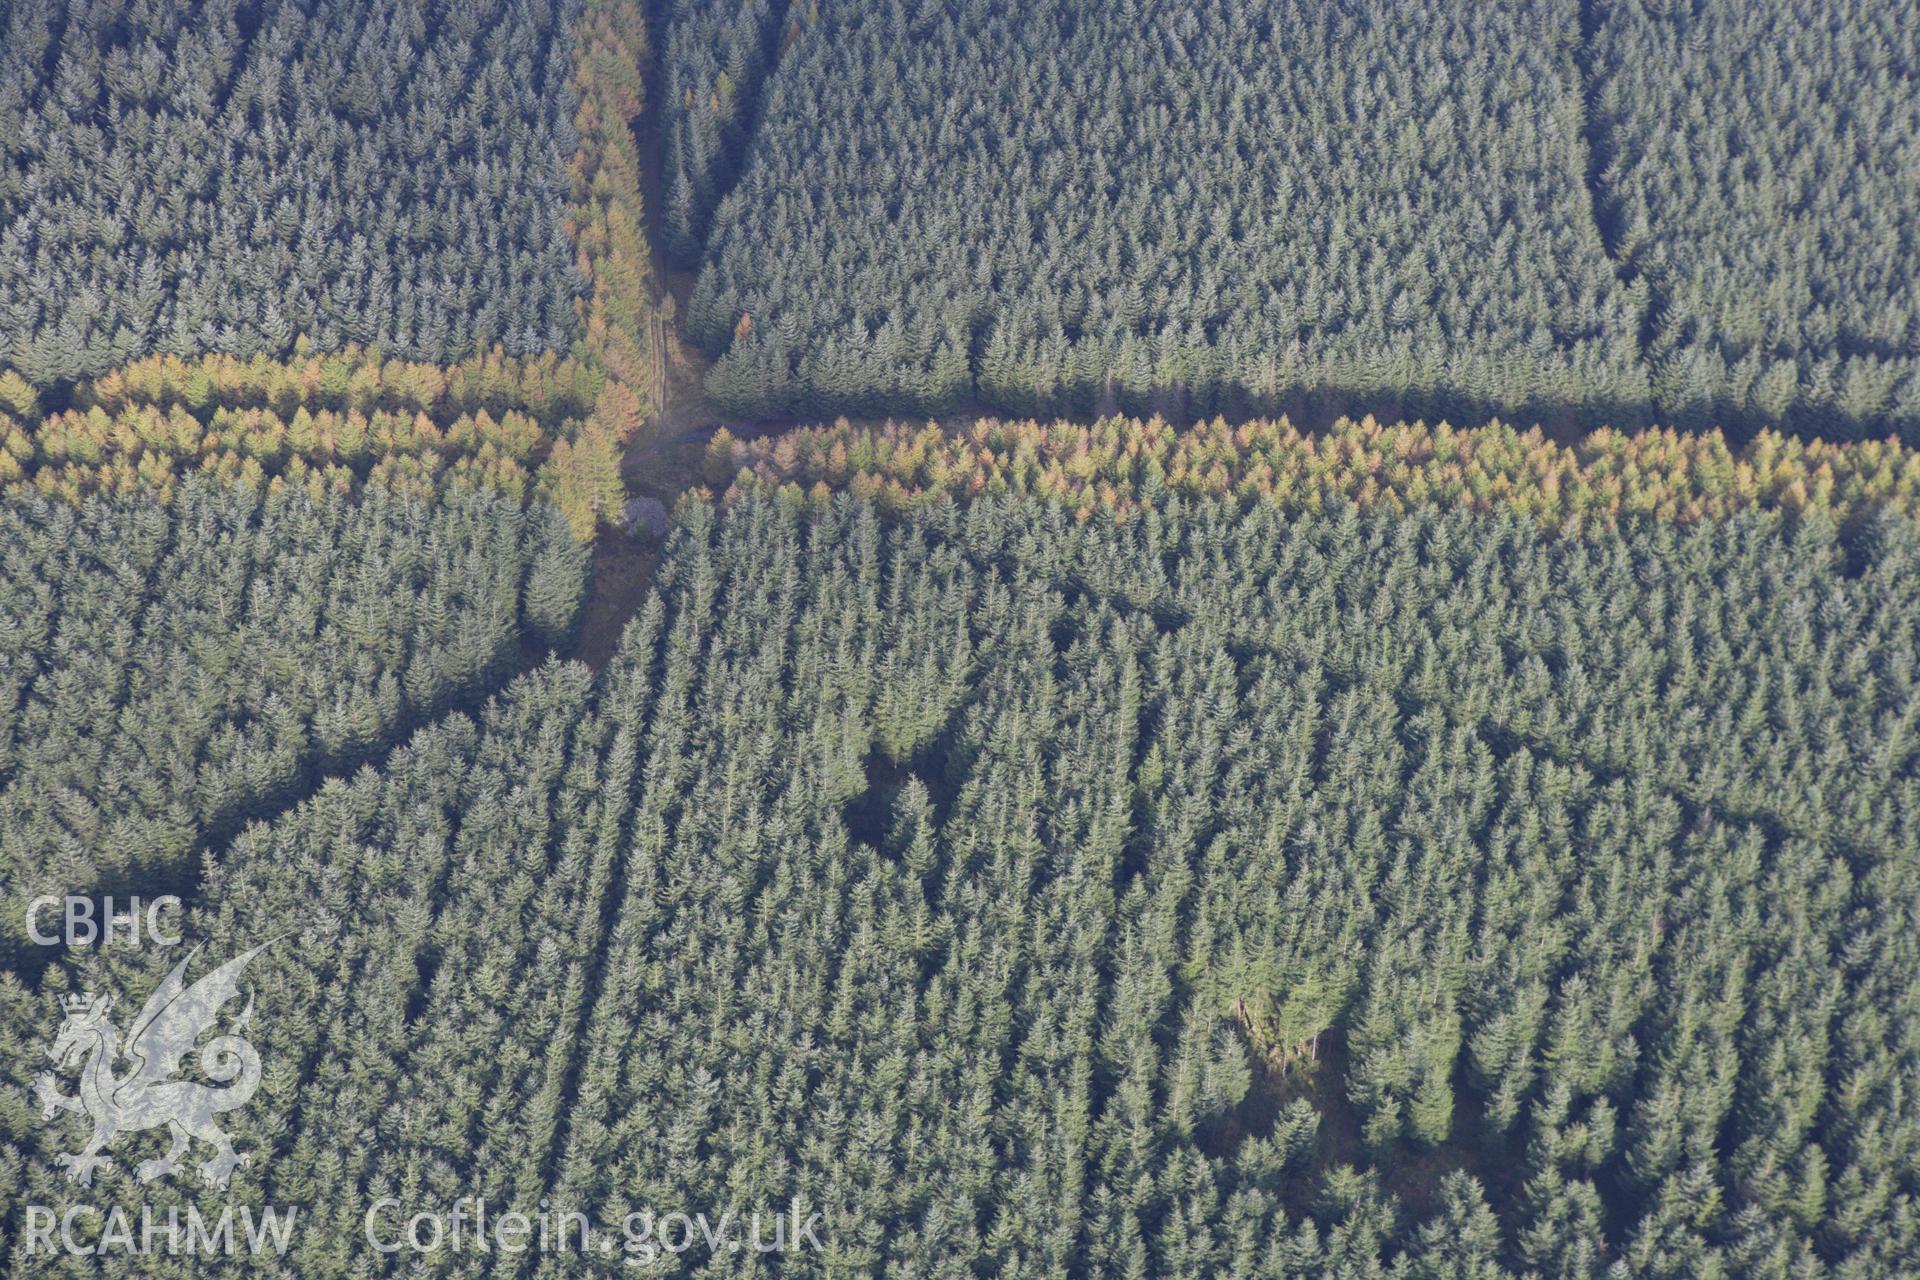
(147, 1096)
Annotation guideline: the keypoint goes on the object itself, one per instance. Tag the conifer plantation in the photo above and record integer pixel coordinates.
(1617, 213)
(214, 218)
(1188, 207)
(186, 178)
(1180, 639)
(172, 672)
(1214, 893)
(1758, 173)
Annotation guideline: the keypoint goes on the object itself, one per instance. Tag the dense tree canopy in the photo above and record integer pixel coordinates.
(1760, 162)
(1208, 895)
(1594, 853)
(1071, 849)
(718, 55)
(227, 176)
(1607, 213)
(430, 352)
(1061, 206)
(168, 673)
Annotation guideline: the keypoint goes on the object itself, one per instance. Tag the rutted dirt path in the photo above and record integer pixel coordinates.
(663, 459)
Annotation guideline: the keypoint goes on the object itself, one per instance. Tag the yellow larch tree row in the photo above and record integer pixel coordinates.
(552, 425)
(1117, 466)
(608, 226)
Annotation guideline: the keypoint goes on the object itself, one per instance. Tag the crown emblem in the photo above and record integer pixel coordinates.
(78, 1003)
